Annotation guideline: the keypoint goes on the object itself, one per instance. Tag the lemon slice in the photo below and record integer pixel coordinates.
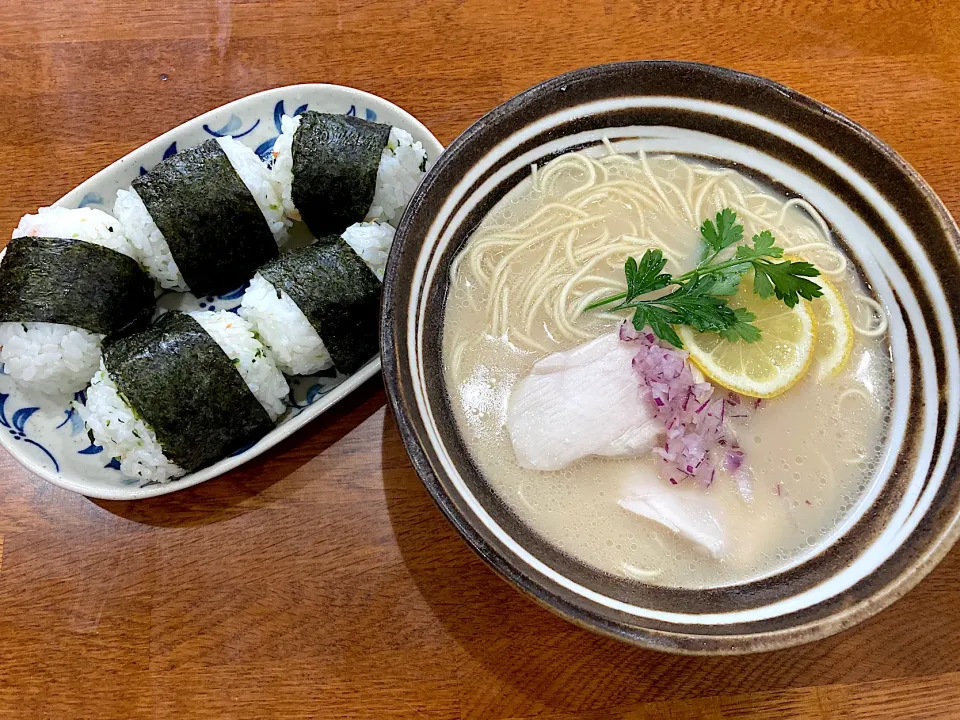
(766, 368)
(834, 331)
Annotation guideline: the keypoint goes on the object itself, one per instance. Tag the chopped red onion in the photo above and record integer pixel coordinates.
(628, 332)
(733, 460)
(691, 412)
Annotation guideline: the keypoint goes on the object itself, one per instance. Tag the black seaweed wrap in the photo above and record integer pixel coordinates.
(75, 283)
(335, 162)
(216, 232)
(187, 389)
(338, 294)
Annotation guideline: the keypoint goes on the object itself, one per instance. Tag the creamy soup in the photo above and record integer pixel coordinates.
(520, 293)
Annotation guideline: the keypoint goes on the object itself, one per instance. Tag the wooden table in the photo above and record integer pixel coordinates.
(321, 580)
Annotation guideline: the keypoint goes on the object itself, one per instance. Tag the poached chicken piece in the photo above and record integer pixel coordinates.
(687, 511)
(581, 402)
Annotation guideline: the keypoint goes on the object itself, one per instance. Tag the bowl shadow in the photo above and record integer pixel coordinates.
(240, 490)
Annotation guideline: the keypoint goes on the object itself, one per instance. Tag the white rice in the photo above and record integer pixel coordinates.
(236, 337)
(152, 249)
(56, 358)
(87, 224)
(295, 345)
(282, 170)
(256, 176)
(371, 241)
(397, 177)
(59, 358)
(122, 434)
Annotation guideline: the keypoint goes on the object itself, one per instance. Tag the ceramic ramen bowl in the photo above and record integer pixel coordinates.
(893, 228)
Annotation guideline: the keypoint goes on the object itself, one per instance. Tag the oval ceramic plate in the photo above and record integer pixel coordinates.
(48, 437)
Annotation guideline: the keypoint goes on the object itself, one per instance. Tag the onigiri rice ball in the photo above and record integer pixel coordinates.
(402, 166)
(124, 433)
(152, 249)
(53, 357)
(295, 344)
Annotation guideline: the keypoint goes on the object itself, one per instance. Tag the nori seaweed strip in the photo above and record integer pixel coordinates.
(338, 294)
(335, 162)
(187, 389)
(76, 283)
(216, 232)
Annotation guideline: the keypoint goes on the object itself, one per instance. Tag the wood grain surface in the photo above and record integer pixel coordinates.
(321, 580)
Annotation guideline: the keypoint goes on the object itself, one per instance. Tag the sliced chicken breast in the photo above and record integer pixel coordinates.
(581, 402)
(688, 511)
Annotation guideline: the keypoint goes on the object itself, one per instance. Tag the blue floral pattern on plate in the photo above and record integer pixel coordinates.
(17, 426)
(233, 128)
(91, 199)
(266, 147)
(169, 152)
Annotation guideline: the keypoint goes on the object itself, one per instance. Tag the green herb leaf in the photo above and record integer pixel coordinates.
(725, 233)
(661, 322)
(645, 277)
(763, 246)
(695, 304)
(728, 280)
(692, 303)
(743, 328)
(765, 242)
(787, 280)
(762, 285)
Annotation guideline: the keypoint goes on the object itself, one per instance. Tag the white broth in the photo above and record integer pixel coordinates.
(518, 291)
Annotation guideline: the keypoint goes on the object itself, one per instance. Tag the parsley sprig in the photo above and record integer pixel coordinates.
(698, 297)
